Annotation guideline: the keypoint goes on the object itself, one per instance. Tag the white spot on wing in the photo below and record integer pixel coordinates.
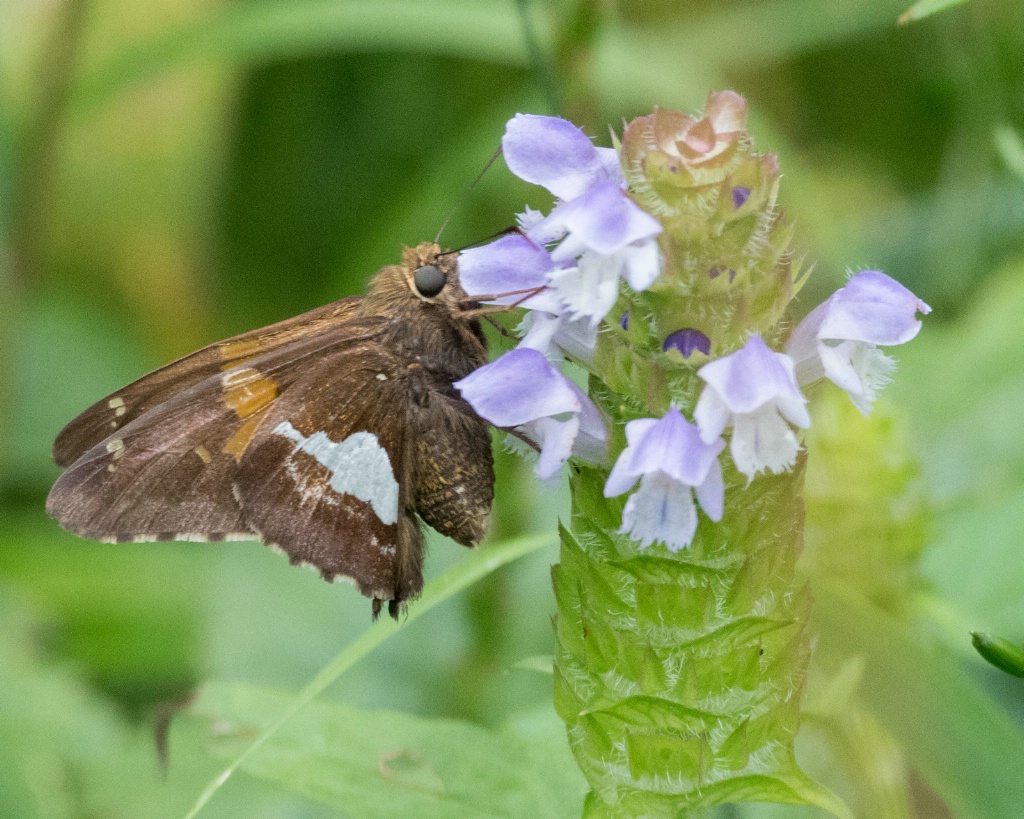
(117, 405)
(359, 466)
(237, 377)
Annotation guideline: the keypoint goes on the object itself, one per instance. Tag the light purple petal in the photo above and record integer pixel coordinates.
(670, 445)
(588, 448)
(621, 478)
(838, 366)
(794, 408)
(577, 337)
(543, 230)
(860, 369)
(537, 332)
(590, 289)
(802, 345)
(674, 446)
(534, 224)
(519, 387)
(661, 510)
(642, 261)
(591, 421)
(711, 493)
(558, 336)
(636, 430)
(711, 414)
(552, 152)
(509, 264)
(604, 219)
(570, 248)
(762, 440)
(611, 166)
(752, 377)
(556, 440)
(874, 308)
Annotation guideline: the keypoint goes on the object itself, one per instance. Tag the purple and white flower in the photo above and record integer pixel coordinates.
(753, 390)
(612, 238)
(837, 340)
(522, 390)
(601, 234)
(671, 462)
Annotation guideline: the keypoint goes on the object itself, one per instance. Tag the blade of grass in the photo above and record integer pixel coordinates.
(436, 591)
(926, 8)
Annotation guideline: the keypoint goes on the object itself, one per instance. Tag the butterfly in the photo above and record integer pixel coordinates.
(328, 436)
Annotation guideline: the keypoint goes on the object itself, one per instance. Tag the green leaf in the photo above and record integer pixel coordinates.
(384, 763)
(1000, 652)
(926, 8)
(436, 591)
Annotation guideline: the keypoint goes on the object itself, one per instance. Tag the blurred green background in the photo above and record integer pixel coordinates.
(176, 171)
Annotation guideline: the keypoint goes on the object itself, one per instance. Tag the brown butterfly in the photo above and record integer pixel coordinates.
(325, 436)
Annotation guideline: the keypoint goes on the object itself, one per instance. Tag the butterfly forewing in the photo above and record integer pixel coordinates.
(120, 408)
(166, 475)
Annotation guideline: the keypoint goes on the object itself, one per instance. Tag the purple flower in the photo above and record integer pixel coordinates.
(554, 153)
(611, 237)
(671, 461)
(687, 341)
(755, 391)
(837, 339)
(603, 234)
(522, 390)
(740, 195)
(512, 264)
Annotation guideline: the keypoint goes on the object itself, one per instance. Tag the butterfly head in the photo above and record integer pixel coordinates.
(432, 275)
(427, 279)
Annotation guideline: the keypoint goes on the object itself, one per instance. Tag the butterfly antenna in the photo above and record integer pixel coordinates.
(465, 194)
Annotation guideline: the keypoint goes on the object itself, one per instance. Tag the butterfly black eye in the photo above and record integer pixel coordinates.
(429, 281)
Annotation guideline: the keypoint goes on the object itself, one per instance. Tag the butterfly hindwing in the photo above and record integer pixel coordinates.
(327, 481)
(453, 467)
